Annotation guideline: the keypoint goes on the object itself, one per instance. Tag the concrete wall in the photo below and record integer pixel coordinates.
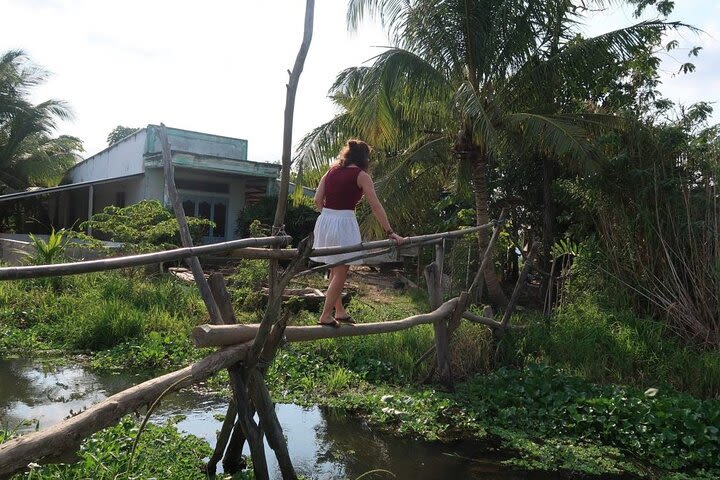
(123, 158)
(107, 194)
(153, 187)
(199, 143)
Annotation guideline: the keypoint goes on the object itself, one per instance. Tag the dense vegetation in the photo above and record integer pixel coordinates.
(549, 397)
(570, 136)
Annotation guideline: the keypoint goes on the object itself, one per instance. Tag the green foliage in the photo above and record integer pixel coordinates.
(299, 219)
(118, 133)
(245, 284)
(594, 335)
(50, 251)
(144, 226)
(653, 211)
(666, 430)
(551, 420)
(99, 311)
(155, 351)
(163, 452)
(29, 156)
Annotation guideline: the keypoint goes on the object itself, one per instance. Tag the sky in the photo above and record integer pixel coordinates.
(221, 66)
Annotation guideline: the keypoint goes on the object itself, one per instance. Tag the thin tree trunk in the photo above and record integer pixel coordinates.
(495, 292)
(548, 234)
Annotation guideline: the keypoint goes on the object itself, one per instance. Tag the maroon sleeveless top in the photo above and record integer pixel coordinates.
(341, 188)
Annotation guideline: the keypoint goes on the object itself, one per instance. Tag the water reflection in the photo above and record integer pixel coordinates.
(324, 444)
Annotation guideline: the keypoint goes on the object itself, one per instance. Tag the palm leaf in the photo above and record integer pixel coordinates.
(554, 134)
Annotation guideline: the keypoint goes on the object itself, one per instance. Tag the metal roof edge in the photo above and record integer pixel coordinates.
(62, 188)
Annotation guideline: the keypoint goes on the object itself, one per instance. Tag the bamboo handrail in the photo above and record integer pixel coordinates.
(87, 266)
(409, 241)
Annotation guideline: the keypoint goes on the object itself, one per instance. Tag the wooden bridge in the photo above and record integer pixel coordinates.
(247, 350)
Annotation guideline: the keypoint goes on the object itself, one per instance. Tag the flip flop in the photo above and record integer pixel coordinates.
(347, 319)
(333, 324)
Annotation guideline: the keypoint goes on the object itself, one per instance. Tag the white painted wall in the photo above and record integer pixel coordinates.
(153, 187)
(106, 194)
(123, 158)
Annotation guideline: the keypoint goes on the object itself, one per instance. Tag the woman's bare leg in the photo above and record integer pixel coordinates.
(332, 296)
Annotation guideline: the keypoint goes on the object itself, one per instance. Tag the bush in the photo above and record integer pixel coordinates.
(144, 226)
(299, 220)
(162, 452)
(594, 335)
(95, 311)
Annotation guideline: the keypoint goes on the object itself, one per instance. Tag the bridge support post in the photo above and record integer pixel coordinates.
(433, 278)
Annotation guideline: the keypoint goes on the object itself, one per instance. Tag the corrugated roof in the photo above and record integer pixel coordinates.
(61, 188)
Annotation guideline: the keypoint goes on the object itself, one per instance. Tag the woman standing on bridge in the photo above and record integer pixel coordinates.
(339, 192)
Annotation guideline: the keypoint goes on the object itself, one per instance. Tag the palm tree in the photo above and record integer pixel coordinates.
(29, 156)
(459, 87)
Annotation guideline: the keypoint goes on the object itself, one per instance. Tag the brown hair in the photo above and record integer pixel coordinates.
(355, 152)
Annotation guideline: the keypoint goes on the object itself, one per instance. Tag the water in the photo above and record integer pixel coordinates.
(323, 444)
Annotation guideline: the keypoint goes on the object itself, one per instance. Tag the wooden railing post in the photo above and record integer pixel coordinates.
(433, 278)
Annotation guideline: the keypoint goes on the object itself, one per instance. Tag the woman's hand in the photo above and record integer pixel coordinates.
(398, 239)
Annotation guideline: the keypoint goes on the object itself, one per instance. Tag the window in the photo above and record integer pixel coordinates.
(211, 208)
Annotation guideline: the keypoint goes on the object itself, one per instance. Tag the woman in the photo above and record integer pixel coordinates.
(339, 192)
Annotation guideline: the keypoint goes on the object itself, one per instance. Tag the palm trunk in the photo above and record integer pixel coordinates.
(495, 292)
(548, 234)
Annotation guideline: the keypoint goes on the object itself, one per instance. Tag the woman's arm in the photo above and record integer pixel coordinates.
(320, 195)
(368, 187)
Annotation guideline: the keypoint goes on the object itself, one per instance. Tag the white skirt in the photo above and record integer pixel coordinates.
(337, 228)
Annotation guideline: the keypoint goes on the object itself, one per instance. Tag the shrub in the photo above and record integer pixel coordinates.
(144, 226)
(299, 220)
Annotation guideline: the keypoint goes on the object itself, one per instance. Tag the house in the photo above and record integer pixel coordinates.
(213, 176)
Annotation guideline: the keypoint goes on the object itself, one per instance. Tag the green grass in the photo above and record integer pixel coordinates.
(94, 312)
(611, 345)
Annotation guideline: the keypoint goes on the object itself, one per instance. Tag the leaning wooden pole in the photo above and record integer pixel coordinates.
(185, 237)
(222, 298)
(529, 263)
(211, 302)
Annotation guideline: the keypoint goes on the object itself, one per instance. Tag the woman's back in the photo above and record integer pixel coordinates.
(341, 189)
